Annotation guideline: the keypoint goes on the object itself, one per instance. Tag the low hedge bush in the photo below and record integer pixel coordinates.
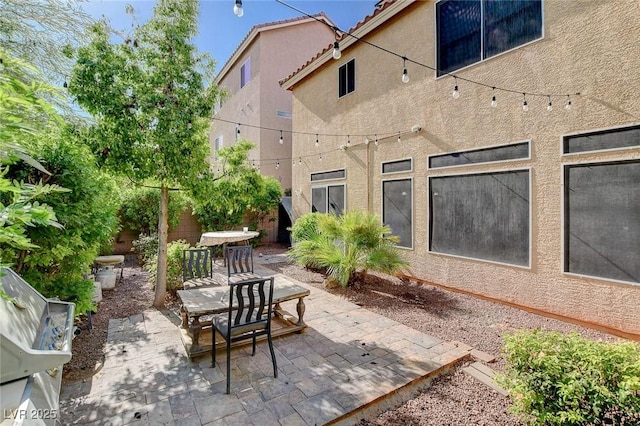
(565, 379)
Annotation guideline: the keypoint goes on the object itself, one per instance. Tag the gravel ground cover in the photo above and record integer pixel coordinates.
(452, 399)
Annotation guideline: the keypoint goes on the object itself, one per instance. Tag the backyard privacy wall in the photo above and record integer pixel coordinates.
(538, 208)
(190, 230)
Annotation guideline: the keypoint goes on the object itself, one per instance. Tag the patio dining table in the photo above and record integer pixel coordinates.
(222, 238)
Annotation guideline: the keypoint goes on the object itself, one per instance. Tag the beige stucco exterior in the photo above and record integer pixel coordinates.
(274, 50)
(591, 47)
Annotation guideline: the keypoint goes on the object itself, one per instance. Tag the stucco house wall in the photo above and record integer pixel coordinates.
(587, 47)
(274, 50)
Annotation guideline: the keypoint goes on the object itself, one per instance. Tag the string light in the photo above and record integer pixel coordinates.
(237, 8)
(399, 140)
(348, 140)
(281, 141)
(549, 105)
(455, 93)
(300, 160)
(317, 142)
(277, 164)
(525, 106)
(567, 105)
(494, 103)
(320, 158)
(336, 46)
(405, 75)
(376, 142)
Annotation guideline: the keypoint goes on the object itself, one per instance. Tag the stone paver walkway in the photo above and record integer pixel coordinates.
(349, 362)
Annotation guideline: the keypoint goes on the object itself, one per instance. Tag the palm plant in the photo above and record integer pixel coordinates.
(349, 246)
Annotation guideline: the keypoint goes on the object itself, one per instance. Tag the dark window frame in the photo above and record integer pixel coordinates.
(328, 175)
(498, 150)
(327, 199)
(611, 222)
(347, 78)
(476, 246)
(479, 36)
(399, 162)
(245, 73)
(591, 145)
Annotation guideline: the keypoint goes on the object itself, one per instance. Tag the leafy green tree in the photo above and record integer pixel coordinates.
(139, 209)
(151, 100)
(348, 246)
(23, 117)
(87, 212)
(222, 201)
(44, 33)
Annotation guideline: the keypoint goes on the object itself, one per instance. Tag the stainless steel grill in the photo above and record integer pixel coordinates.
(35, 343)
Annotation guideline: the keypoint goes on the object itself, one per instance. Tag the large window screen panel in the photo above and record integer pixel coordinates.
(602, 220)
(319, 200)
(396, 209)
(336, 199)
(509, 24)
(459, 27)
(482, 216)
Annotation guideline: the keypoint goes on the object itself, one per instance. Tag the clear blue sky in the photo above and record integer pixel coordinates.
(221, 31)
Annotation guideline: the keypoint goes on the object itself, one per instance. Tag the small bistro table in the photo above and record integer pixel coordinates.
(207, 301)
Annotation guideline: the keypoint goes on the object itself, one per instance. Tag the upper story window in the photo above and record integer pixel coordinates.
(245, 73)
(347, 78)
(469, 31)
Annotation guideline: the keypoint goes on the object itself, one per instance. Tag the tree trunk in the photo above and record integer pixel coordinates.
(163, 233)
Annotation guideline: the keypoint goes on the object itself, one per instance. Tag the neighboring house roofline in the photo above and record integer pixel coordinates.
(384, 10)
(257, 29)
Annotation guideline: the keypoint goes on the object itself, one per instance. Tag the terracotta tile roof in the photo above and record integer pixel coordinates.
(260, 27)
(379, 7)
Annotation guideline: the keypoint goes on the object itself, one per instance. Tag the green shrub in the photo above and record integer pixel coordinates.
(140, 208)
(305, 227)
(348, 246)
(146, 247)
(556, 379)
(174, 265)
(87, 212)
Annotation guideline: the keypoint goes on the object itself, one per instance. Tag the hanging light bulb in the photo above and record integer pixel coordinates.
(237, 9)
(405, 74)
(336, 50)
(293, 162)
(567, 105)
(300, 160)
(525, 106)
(317, 142)
(549, 105)
(277, 164)
(455, 93)
(348, 140)
(281, 141)
(320, 158)
(494, 103)
(399, 140)
(376, 141)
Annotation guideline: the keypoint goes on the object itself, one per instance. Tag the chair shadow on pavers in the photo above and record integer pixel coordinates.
(349, 363)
